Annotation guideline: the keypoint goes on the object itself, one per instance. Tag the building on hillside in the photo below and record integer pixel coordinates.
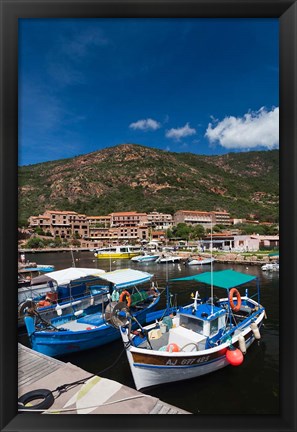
(123, 234)
(41, 221)
(193, 217)
(160, 221)
(158, 236)
(222, 218)
(128, 219)
(97, 229)
(99, 221)
(64, 224)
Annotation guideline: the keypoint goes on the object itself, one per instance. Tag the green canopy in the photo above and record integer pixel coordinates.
(223, 279)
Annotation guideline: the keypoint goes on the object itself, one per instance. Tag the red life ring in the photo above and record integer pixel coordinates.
(126, 294)
(234, 307)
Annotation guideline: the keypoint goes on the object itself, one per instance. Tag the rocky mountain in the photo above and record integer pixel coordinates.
(133, 177)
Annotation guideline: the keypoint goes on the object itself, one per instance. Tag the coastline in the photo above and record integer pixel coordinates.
(221, 257)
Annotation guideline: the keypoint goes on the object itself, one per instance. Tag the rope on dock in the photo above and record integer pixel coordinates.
(58, 410)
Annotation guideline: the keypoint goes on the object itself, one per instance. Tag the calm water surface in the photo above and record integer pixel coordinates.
(252, 388)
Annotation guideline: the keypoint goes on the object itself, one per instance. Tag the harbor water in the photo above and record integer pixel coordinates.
(249, 389)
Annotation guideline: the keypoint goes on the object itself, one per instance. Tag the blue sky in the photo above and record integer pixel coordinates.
(206, 86)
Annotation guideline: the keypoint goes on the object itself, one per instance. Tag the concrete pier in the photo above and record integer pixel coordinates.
(96, 396)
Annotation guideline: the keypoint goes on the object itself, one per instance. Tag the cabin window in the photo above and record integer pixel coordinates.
(191, 323)
(214, 326)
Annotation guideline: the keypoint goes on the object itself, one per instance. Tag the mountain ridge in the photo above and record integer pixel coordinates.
(135, 177)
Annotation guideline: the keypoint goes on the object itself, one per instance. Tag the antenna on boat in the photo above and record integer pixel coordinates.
(211, 267)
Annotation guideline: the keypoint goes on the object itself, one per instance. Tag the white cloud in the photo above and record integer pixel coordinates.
(146, 124)
(181, 132)
(254, 129)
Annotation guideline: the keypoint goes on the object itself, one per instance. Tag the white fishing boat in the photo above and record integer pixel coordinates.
(200, 338)
(199, 261)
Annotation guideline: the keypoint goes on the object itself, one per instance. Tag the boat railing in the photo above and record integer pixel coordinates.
(243, 323)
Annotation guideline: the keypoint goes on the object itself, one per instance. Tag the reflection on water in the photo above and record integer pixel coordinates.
(252, 388)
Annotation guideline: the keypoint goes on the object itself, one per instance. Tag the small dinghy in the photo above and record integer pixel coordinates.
(200, 338)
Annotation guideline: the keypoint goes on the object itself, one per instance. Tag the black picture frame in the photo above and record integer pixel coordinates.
(11, 11)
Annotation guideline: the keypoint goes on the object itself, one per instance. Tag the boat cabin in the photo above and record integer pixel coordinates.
(207, 320)
(190, 330)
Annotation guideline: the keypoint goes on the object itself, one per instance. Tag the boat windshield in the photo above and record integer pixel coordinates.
(191, 323)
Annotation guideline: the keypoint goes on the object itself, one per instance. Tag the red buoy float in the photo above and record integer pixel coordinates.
(172, 347)
(234, 356)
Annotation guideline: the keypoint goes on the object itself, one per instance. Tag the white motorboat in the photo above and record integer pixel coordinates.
(199, 261)
(145, 258)
(169, 259)
(270, 267)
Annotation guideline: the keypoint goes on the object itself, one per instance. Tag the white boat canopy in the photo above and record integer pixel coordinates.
(126, 277)
(67, 275)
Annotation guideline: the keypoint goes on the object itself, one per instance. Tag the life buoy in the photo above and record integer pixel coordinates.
(126, 294)
(45, 394)
(234, 307)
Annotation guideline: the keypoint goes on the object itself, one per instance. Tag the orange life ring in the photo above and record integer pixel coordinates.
(234, 307)
(128, 297)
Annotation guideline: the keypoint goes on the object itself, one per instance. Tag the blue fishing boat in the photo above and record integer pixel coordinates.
(50, 293)
(200, 338)
(85, 329)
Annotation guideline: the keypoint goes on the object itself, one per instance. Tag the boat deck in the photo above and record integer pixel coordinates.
(37, 371)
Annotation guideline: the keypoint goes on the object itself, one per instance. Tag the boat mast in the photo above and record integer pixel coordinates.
(211, 267)
(73, 262)
(167, 286)
(109, 258)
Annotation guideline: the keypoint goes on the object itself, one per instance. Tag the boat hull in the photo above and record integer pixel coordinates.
(145, 258)
(200, 262)
(50, 312)
(56, 344)
(117, 255)
(171, 260)
(155, 368)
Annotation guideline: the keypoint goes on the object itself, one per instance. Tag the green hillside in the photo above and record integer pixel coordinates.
(133, 177)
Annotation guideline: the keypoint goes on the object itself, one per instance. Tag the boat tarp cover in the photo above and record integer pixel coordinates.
(126, 277)
(222, 279)
(66, 276)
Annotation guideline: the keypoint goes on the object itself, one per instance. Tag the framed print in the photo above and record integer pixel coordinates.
(65, 65)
